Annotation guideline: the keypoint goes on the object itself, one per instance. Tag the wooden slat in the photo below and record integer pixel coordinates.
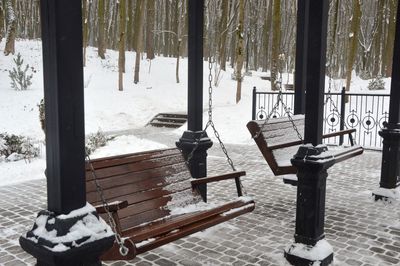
(131, 157)
(136, 166)
(133, 177)
(127, 189)
(158, 228)
(193, 228)
(160, 202)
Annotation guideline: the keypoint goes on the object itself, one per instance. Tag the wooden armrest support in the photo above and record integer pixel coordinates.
(112, 207)
(209, 179)
(339, 133)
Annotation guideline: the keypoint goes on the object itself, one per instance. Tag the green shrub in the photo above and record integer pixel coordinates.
(20, 79)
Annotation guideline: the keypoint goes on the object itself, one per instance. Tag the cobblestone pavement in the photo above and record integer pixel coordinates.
(361, 231)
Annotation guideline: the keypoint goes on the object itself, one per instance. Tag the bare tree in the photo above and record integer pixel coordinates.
(276, 36)
(239, 51)
(353, 41)
(1, 20)
(121, 58)
(11, 28)
(101, 30)
(150, 29)
(139, 35)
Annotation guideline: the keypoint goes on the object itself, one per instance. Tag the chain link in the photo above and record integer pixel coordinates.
(123, 250)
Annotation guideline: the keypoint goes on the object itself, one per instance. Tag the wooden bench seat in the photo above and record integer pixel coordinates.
(154, 199)
(278, 142)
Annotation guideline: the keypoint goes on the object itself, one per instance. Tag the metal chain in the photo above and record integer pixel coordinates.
(273, 110)
(123, 250)
(211, 123)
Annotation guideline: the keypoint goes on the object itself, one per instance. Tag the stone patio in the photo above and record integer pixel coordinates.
(361, 231)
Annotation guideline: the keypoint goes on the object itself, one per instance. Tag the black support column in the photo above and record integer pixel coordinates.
(390, 171)
(300, 68)
(309, 245)
(194, 137)
(65, 142)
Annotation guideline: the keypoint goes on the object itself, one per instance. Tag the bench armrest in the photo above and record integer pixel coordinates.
(339, 133)
(112, 206)
(210, 179)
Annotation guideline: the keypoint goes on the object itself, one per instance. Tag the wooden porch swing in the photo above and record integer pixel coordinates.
(154, 200)
(150, 199)
(278, 139)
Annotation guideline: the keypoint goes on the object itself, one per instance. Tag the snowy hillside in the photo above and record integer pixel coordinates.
(108, 109)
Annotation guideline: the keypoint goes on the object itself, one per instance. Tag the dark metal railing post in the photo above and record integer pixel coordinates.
(390, 171)
(194, 139)
(253, 105)
(342, 113)
(311, 170)
(61, 24)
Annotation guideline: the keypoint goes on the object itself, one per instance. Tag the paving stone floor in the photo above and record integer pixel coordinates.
(361, 231)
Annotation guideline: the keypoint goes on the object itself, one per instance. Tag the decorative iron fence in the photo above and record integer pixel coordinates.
(365, 112)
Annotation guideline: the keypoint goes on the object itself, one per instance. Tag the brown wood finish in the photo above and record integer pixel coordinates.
(278, 135)
(143, 188)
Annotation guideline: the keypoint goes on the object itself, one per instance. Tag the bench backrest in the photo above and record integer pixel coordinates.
(153, 183)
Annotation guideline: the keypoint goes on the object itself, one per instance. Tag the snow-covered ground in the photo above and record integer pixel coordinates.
(108, 109)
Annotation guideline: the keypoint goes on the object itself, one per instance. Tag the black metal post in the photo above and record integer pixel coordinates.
(65, 136)
(195, 134)
(310, 209)
(301, 53)
(310, 161)
(315, 73)
(253, 104)
(342, 113)
(390, 171)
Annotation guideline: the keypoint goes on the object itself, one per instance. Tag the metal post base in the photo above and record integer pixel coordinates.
(198, 162)
(390, 172)
(299, 261)
(66, 240)
(310, 246)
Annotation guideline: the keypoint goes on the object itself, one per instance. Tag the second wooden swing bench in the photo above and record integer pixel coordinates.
(154, 200)
(278, 142)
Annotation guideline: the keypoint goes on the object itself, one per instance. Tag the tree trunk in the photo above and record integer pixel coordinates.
(353, 41)
(85, 19)
(177, 60)
(1, 20)
(276, 36)
(138, 42)
(129, 31)
(377, 68)
(390, 39)
(239, 51)
(150, 29)
(101, 28)
(223, 32)
(266, 36)
(166, 27)
(121, 58)
(11, 28)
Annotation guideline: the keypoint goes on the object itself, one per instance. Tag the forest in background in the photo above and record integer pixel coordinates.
(245, 34)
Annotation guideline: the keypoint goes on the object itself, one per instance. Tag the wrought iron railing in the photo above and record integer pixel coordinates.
(365, 112)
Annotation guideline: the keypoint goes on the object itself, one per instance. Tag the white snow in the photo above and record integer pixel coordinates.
(320, 251)
(112, 110)
(393, 194)
(90, 226)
